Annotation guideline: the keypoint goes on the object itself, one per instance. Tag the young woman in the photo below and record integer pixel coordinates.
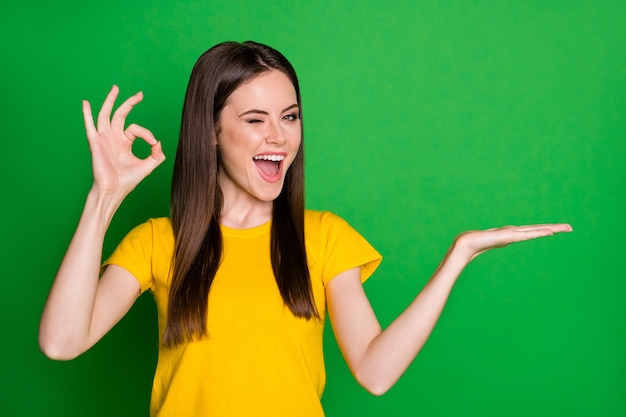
(243, 276)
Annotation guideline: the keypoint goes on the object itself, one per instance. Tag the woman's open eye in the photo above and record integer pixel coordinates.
(291, 117)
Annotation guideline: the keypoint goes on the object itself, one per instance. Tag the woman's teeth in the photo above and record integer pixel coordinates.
(269, 164)
(275, 158)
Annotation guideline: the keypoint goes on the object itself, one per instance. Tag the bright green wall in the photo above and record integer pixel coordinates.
(422, 120)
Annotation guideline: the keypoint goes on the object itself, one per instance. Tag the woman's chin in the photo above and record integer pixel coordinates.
(269, 192)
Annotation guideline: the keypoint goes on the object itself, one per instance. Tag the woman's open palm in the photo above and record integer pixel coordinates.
(476, 242)
(116, 169)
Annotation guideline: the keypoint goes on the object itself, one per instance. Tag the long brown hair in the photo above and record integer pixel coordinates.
(196, 200)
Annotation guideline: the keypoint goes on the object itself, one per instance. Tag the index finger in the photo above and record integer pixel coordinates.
(555, 227)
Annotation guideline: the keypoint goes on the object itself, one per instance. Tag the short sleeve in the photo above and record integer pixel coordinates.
(134, 254)
(338, 247)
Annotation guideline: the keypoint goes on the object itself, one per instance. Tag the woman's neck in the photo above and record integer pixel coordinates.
(245, 214)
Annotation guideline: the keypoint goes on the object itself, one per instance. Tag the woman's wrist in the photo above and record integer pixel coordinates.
(460, 253)
(105, 204)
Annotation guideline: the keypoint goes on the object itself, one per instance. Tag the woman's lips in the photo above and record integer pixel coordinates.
(270, 166)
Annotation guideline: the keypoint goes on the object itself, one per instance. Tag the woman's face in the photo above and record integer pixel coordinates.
(259, 138)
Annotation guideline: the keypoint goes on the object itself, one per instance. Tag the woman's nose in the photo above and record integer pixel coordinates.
(275, 134)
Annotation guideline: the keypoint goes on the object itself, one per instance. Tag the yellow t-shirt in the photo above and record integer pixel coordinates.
(258, 359)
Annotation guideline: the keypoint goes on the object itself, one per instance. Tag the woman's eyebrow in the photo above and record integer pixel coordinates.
(254, 111)
(290, 107)
(257, 111)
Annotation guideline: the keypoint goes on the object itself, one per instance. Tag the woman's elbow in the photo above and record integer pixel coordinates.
(56, 349)
(377, 390)
(374, 385)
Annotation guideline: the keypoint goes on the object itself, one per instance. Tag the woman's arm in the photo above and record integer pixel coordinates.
(378, 358)
(81, 308)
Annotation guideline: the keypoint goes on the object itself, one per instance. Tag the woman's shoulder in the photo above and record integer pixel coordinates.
(161, 223)
(156, 224)
(157, 228)
(320, 217)
(161, 228)
(324, 222)
(335, 246)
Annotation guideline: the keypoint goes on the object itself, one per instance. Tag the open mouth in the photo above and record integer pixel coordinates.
(269, 165)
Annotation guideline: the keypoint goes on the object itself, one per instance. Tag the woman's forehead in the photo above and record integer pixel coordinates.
(268, 89)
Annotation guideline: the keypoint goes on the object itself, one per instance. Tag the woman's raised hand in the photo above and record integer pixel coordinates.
(116, 169)
(475, 242)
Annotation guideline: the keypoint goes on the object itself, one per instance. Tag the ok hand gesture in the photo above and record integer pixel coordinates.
(116, 170)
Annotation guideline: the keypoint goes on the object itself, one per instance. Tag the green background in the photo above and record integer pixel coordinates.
(422, 119)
